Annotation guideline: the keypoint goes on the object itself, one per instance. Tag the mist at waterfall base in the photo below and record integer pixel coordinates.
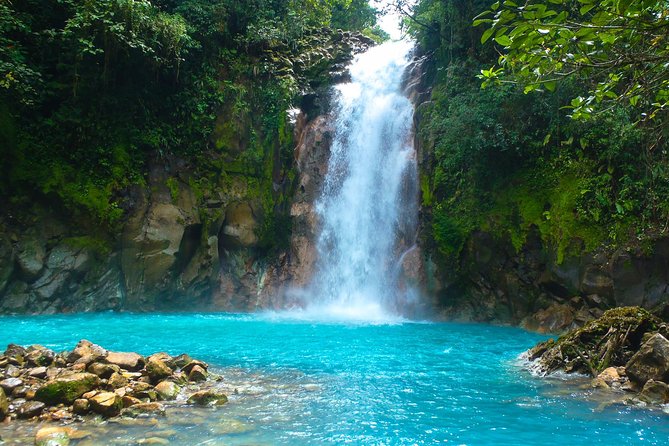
(368, 207)
(301, 383)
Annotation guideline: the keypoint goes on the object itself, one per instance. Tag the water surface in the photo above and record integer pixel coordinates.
(302, 382)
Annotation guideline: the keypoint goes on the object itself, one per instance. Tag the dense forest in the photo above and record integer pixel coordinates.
(90, 90)
(548, 115)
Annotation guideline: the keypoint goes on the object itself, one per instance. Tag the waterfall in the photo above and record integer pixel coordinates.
(368, 206)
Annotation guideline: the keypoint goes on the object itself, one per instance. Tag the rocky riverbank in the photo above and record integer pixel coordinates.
(625, 352)
(41, 385)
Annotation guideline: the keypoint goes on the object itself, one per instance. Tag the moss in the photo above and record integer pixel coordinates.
(97, 245)
(173, 185)
(66, 390)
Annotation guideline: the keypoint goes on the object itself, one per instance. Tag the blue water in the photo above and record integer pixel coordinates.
(318, 383)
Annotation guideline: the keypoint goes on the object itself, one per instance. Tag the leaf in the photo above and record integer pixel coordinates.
(486, 35)
(623, 5)
(503, 40)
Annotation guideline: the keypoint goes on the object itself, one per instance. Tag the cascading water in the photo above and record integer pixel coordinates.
(368, 207)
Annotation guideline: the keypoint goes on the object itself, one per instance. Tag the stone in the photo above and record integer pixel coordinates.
(37, 356)
(86, 348)
(197, 374)
(240, 227)
(157, 369)
(655, 392)
(599, 383)
(67, 389)
(103, 370)
(37, 372)
(609, 375)
(143, 410)
(81, 406)
(9, 384)
(132, 362)
(116, 381)
(167, 390)
(30, 409)
(165, 358)
(188, 367)
(208, 398)
(130, 400)
(181, 360)
(4, 405)
(30, 257)
(52, 436)
(106, 403)
(650, 362)
(153, 440)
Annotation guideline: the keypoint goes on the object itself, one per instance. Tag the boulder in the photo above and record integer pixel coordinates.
(165, 358)
(106, 403)
(240, 226)
(182, 360)
(609, 375)
(4, 405)
(143, 410)
(650, 362)
(67, 389)
(9, 384)
(157, 369)
(197, 374)
(103, 370)
(655, 392)
(130, 401)
(30, 409)
(116, 381)
(167, 390)
(86, 349)
(132, 362)
(188, 367)
(38, 372)
(81, 406)
(38, 356)
(208, 398)
(52, 436)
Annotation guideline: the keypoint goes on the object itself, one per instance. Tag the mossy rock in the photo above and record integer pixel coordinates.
(67, 389)
(609, 341)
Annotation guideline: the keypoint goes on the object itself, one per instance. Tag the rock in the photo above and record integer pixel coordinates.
(30, 257)
(208, 398)
(81, 406)
(37, 372)
(181, 360)
(157, 369)
(116, 380)
(167, 390)
(197, 374)
(103, 370)
(229, 426)
(165, 358)
(128, 361)
(240, 226)
(153, 440)
(609, 375)
(9, 384)
(67, 389)
(650, 362)
(106, 403)
(4, 405)
(188, 367)
(143, 410)
(30, 409)
(655, 392)
(37, 356)
(86, 348)
(52, 436)
(130, 400)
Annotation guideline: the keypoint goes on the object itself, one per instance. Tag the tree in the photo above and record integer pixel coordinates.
(620, 46)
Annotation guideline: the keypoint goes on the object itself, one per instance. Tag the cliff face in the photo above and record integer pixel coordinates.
(224, 231)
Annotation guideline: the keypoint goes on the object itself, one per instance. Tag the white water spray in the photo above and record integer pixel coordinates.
(368, 207)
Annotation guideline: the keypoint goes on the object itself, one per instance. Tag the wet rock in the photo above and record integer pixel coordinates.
(4, 405)
(165, 358)
(208, 398)
(81, 406)
(103, 370)
(52, 436)
(106, 403)
(130, 400)
(188, 367)
(31, 409)
(117, 380)
(229, 426)
(86, 349)
(157, 369)
(651, 361)
(9, 384)
(153, 440)
(128, 361)
(167, 390)
(197, 374)
(240, 227)
(609, 375)
(67, 389)
(144, 410)
(655, 392)
(182, 360)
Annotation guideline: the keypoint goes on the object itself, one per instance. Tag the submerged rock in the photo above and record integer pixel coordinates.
(52, 436)
(208, 398)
